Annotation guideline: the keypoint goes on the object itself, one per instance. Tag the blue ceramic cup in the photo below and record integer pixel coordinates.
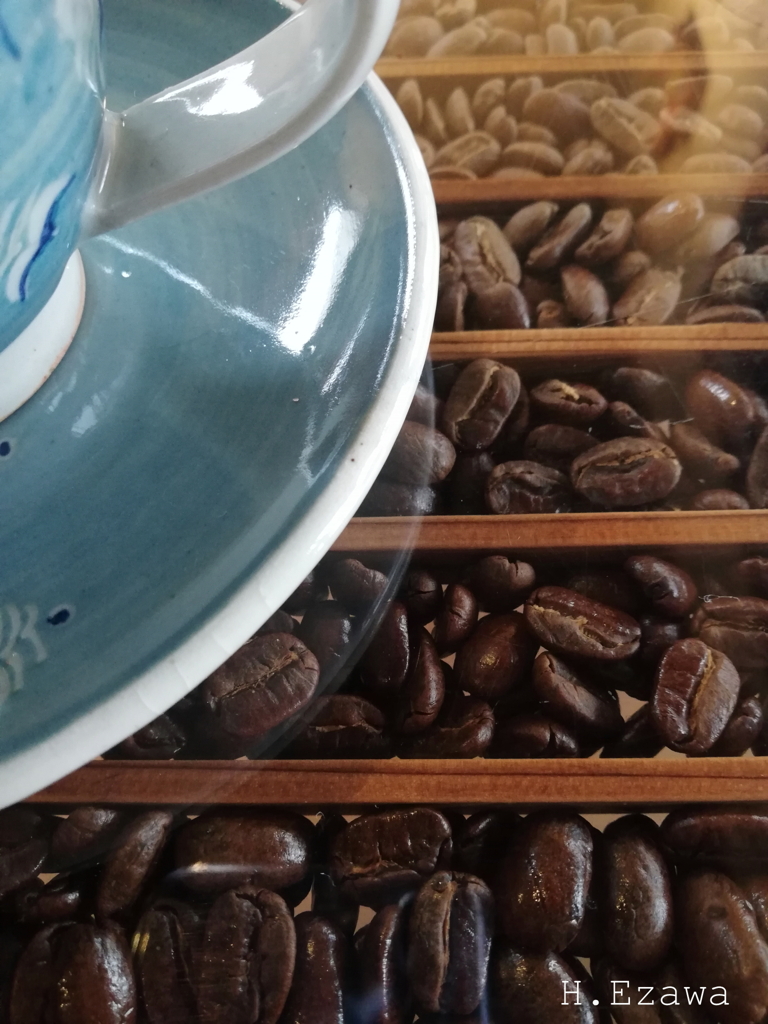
(69, 168)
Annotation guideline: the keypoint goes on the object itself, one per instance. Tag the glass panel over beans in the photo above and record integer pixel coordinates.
(250, 916)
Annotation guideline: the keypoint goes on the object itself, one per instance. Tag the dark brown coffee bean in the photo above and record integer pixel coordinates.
(426, 407)
(627, 422)
(264, 683)
(479, 403)
(658, 635)
(730, 314)
(498, 584)
(557, 445)
(130, 867)
(246, 961)
(636, 893)
(384, 665)
(161, 740)
(716, 835)
(670, 986)
(584, 295)
(757, 473)
(695, 695)
(625, 472)
(737, 626)
(608, 240)
(420, 455)
(721, 410)
(449, 313)
(587, 709)
(752, 574)
(355, 585)
(741, 731)
(630, 996)
(456, 618)
(608, 586)
(321, 975)
(84, 836)
(718, 500)
(380, 856)
(449, 945)
(561, 239)
(11, 947)
(465, 487)
(755, 888)
(464, 728)
(33, 992)
(481, 840)
(572, 624)
(64, 897)
(506, 444)
(722, 947)
(572, 404)
(383, 991)
(543, 881)
(94, 983)
(24, 844)
(387, 498)
(502, 307)
(703, 460)
(533, 736)
(220, 850)
(670, 589)
(526, 227)
(589, 942)
(326, 630)
(649, 392)
(422, 695)
(638, 739)
(497, 657)
(342, 725)
(309, 590)
(531, 988)
(486, 256)
(422, 596)
(280, 622)
(166, 942)
(526, 487)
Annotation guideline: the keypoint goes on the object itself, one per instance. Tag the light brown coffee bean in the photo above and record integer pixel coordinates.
(525, 228)
(586, 89)
(426, 149)
(561, 112)
(691, 126)
(527, 131)
(488, 95)
(460, 42)
(650, 299)
(599, 35)
(594, 159)
(562, 40)
(712, 235)
(668, 221)
(561, 240)
(458, 113)
(501, 125)
(742, 280)
(485, 254)
(741, 120)
(518, 91)
(535, 156)
(414, 37)
(585, 296)
(626, 268)
(608, 240)
(651, 39)
(643, 164)
(512, 19)
(551, 314)
(715, 163)
(625, 126)
(477, 152)
(411, 102)
(433, 123)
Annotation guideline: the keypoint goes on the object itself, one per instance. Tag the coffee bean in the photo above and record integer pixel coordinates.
(658, 635)
(757, 473)
(449, 314)
(755, 888)
(543, 881)
(84, 836)
(422, 596)
(426, 407)
(670, 589)
(498, 584)
(423, 692)
(380, 856)
(161, 740)
(574, 404)
(752, 574)
(551, 314)
(638, 739)
(387, 498)
(526, 227)
(497, 657)
(649, 300)
(321, 974)
(480, 401)
(33, 994)
(737, 626)
(719, 500)
(572, 624)
(590, 711)
(420, 455)
(384, 666)
(561, 240)
(702, 459)
(741, 731)
(475, 154)
(166, 941)
(342, 725)
(716, 835)
(668, 221)
(562, 112)
(24, 843)
(64, 897)
(480, 842)
(646, 390)
(585, 296)
(501, 307)
(533, 736)
(608, 586)
(608, 240)
(528, 988)
(464, 728)
(695, 695)
(95, 983)
(636, 895)
(456, 618)
(355, 585)
(631, 996)
(450, 942)
(130, 867)
(722, 411)
(626, 471)
(486, 256)
(625, 126)
(725, 314)
(384, 994)
(526, 487)
(219, 850)
(742, 280)
(532, 155)
(466, 484)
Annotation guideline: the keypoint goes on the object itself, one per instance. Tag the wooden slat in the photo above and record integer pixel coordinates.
(588, 784)
(684, 62)
(556, 535)
(571, 188)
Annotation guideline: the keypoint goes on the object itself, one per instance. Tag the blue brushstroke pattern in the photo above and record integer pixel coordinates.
(47, 234)
(7, 40)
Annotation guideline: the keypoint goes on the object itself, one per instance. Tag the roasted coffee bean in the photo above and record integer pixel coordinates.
(702, 459)
(526, 227)
(161, 740)
(625, 126)
(466, 484)
(571, 624)
(321, 974)
(355, 585)
(658, 635)
(309, 590)
(64, 897)
(695, 695)
(561, 112)
(220, 850)
(423, 692)
(755, 888)
(722, 947)
(24, 843)
(246, 961)
(630, 996)
(481, 840)
(573, 404)
(94, 978)
(670, 589)
(636, 893)
(543, 880)
(625, 472)
(326, 630)
(420, 455)
(718, 500)
(533, 736)
(480, 401)
(342, 725)
(456, 619)
(33, 994)
(384, 995)
(646, 390)
(84, 836)
(752, 574)
(757, 473)
(165, 945)
(501, 307)
(449, 313)
(737, 626)
(328, 900)
(561, 239)
(585, 296)
(716, 835)
(721, 409)
(130, 867)
(725, 315)
(497, 657)
(280, 622)
(384, 665)
(742, 730)
(529, 988)
(552, 315)
(426, 407)
(743, 280)
(608, 240)
(498, 584)
(526, 487)
(449, 947)
(464, 728)
(380, 856)
(649, 300)
(638, 739)
(387, 498)
(422, 596)
(627, 422)
(669, 981)
(608, 586)
(264, 683)
(669, 221)
(514, 429)
(587, 709)
(486, 256)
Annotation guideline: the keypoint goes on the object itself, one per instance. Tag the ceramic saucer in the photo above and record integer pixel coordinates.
(244, 362)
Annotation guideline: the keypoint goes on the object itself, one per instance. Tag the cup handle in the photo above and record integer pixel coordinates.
(239, 115)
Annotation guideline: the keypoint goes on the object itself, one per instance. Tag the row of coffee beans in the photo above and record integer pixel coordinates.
(624, 438)
(494, 658)
(547, 267)
(702, 124)
(167, 920)
(446, 28)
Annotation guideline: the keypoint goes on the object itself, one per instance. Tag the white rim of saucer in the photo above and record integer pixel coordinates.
(153, 692)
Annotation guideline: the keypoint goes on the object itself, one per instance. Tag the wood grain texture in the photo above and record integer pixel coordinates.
(310, 785)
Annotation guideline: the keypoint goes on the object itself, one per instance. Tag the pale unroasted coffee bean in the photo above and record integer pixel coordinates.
(525, 228)
(433, 123)
(593, 159)
(521, 486)
(534, 156)
(599, 33)
(651, 99)
(571, 624)
(585, 296)
(586, 89)
(625, 472)
(741, 120)
(608, 240)
(647, 40)
(562, 239)
(561, 39)
(530, 132)
(479, 403)
(502, 126)
(476, 151)
(414, 36)
(485, 254)
(715, 163)
(460, 42)
(668, 221)
(457, 111)
(518, 91)
(625, 126)
(650, 299)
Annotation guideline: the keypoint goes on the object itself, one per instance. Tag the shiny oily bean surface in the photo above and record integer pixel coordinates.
(523, 486)
(321, 974)
(571, 624)
(543, 880)
(456, 619)
(84, 835)
(164, 943)
(24, 842)
(497, 656)
(130, 867)
(500, 584)
(384, 996)
(715, 834)
(528, 988)
(95, 982)
(424, 690)
(464, 728)
(384, 666)
(354, 584)
(342, 725)
(533, 736)
(480, 842)
(590, 710)
(737, 626)
(670, 590)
